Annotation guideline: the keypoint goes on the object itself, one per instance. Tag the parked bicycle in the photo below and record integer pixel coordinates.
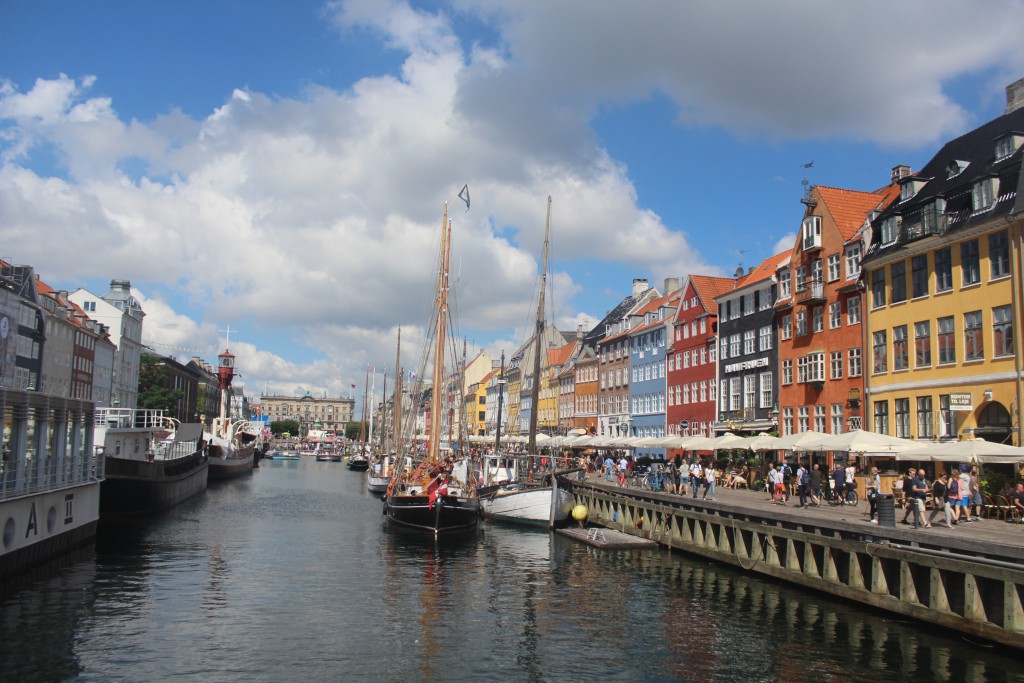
(849, 497)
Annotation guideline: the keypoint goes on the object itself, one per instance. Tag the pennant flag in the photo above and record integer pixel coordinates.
(464, 195)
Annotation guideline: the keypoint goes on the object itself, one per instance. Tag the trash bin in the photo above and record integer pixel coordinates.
(886, 504)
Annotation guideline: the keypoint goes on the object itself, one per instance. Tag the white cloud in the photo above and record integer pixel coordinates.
(317, 217)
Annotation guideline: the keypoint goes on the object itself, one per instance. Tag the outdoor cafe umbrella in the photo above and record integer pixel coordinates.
(859, 441)
(698, 443)
(976, 451)
(763, 442)
(729, 440)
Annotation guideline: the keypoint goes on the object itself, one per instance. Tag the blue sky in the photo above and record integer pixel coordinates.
(280, 167)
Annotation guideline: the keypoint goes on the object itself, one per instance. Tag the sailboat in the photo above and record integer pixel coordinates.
(378, 475)
(231, 443)
(434, 496)
(518, 498)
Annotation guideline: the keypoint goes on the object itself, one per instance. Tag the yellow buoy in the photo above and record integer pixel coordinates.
(579, 513)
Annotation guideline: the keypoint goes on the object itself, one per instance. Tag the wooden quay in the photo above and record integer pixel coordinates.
(969, 578)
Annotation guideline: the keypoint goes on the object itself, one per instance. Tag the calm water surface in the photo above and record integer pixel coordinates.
(294, 575)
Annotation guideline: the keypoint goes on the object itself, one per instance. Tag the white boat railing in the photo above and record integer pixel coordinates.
(53, 474)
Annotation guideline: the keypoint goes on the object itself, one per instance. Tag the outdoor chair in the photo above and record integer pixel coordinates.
(989, 509)
(1003, 508)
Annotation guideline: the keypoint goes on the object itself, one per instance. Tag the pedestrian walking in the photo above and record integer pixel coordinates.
(941, 500)
(803, 478)
(919, 490)
(815, 485)
(874, 487)
(906, 488)
(696, 472)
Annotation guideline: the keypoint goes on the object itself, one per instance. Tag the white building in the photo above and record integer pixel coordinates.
(121, 313)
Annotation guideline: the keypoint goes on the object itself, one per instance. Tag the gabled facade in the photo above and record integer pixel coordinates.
(944, 290)
(121, 313)
(691, 406)
(613, 352)
(747, 351)
(585, 392)
(21, 321)
(819, 311)
(648, 347)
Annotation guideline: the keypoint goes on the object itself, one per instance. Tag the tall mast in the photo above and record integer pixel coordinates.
(439, 338)
(396, 402)
(362, 423)
(382, 437)
(501, 386)
(531, 446)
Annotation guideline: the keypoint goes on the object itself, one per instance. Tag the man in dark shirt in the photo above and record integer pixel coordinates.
(918, 491)
(1018, 499)
(815, 485)
(839, 477)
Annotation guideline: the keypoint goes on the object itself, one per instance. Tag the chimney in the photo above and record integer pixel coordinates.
(672, 284)
(1014, 96)
(898, 172)
(639, 286)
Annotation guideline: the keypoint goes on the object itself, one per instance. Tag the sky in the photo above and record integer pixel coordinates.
(280, 169)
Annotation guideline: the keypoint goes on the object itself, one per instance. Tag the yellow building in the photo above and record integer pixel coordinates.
(942, 333)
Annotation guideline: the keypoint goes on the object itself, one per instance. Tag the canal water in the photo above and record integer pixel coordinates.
(293, 574)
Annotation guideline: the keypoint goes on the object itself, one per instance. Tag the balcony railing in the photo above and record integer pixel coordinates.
(812, 291)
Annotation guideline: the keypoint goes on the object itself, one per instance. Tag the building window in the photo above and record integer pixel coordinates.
(787, 421)
(880, 359)
(943, 269)
(734, 345)
(973, 343)
(947, 341)
(833, 267)
(970, 266)
(835, 315)
(855, 362)
(924, 417)
(819, 418)
(1002, 331)
(898, 272)
(900, 351)
(801, 323)
(902, 415)
(946, 424)
(923, 344)
(878, 288)
(787, 372)
(784, 283)
(765, 338)
(999, 254)
(818, 314)
(786, 327)
(801, 278)
(982, 195)
(919, 275)
(837, 418)
(734, 393)
(749, 391)
(725, 348)
(836, 361)
(890, 229)
(748, 342)
(881, 424)
(766, 390)
(853, 261)
(805, 418)
(853, 310)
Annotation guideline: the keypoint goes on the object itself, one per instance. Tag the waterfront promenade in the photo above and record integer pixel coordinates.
(987, 537)
(969, 578)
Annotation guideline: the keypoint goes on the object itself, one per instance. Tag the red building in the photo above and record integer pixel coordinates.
(692, 356)
(819, 311)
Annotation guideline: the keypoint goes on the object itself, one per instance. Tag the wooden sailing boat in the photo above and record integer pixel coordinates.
(525, 499)
(434, 496)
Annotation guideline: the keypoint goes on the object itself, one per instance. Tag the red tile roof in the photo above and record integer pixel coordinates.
(849, 208)
(708, 287)
(765, 270)
(560, 355)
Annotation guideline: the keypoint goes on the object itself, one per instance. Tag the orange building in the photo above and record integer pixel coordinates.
(819, 312)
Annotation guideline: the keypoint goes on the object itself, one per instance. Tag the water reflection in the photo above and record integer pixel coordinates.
(294, 574)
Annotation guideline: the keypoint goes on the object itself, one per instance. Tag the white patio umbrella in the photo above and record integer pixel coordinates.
(976, 451)
(698, 443)
(764, 442)
(730, 440)
(674, 441)
(860, 441)
(790, 442)
(647, 442)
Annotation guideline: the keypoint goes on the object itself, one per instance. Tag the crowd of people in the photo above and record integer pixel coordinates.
(955, 496)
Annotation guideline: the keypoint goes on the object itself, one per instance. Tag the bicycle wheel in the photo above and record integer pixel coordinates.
(852, 498)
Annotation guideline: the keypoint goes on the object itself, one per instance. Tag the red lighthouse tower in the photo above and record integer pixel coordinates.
(225, 373)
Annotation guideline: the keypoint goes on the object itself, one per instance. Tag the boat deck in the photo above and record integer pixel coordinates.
(607, 539)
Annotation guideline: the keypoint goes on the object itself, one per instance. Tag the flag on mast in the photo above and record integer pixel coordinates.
(464, 195)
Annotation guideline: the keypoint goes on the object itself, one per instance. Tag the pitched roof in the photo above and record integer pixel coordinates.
(849, 208)
(561, 354)
(974, 154)
(765, 270)
(708, 287)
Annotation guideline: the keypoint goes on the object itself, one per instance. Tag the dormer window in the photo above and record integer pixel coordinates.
(811, 231)
(955, 168)
(890, 229)
(1008, 144)
(983, 195)
(909, 186)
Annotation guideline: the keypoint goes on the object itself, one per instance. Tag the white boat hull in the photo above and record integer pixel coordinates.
(376, 484)
(530, 507)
